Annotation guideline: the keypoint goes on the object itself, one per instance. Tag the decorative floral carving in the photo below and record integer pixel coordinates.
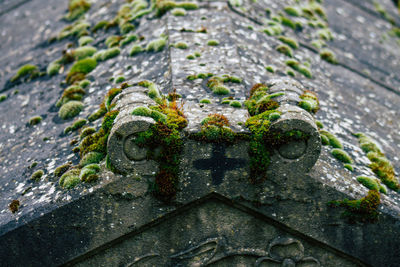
(285, 251)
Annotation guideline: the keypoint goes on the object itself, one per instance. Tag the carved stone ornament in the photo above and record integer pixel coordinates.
(283, 251)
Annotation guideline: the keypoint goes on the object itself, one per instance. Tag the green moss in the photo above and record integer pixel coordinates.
(91, 157)
(85, 40)
(113, 40)
(349, 167)
(53, 68)
(3, 98)
(70, 179)
(333, 140)
(274, 116)
(274, 29)
(325, 34)
(135, 49)
(292, 11)
(70, 109)
(104, 55)
(178, 12)
(309, 101)
(364, 209)
(235, 104)
(37, 175)
(236, 3)
(84, 52)
(190, 57)
(84, 66)
(319, 124)
(294, 64)
(80, 28)
(260, 101)
(98, 113)
(120, 79)
(28, 71)
(14, 206)
(197, 54)
(79, 123)
(380, 165)
(100, 25)
(76, 8)
(187, 5)
(128, 39)
(212, 42)
(87, 172)
(215, 128)
(341, 155)
(329, 56)
(284, 49)
(181, 45)
(369, 182)
(73, 92)
(382, 188)
(126, 28)
(84, 83)
(87, 131)
(290, 73)
(289, 41)
(270, 69)
(35, 120)
(205, 101)
(60, 170)
(156, 45)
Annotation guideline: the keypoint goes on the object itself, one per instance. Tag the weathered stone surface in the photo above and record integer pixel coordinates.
(55, 226)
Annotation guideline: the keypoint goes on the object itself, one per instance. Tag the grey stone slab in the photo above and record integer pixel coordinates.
(118, 212)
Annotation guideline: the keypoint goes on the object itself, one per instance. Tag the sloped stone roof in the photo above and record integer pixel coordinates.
(359, 94)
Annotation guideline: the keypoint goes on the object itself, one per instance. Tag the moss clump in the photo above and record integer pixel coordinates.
(79, 123)
(284, 49)
(260, 101)
(84, 52)
(28, 71)
(106, 54)
(163, 6)
(212, 42)
(87, 173)
(178, 12)
(54, 67)
(349, 167)
(80, 69)
(216, 84)
(369, 182)
(319, 124)
(70, 179)
(3, 97)
(100, 25)
(205, 101)
(380, 165)
(73, 92)
(113, 40)
(292, 11)
(120, 79)
(135, 49)
(190, 57)
(181, 45)
(153, 92)
(364, 209)
(294, 64)
(341, 155)
(87, 131)
(37, 175)
(156, 45)
(85, 40)
(274, 116)
(76, 8)
(329, 56)
(14, 206)
(70, 109)
(167, 136)
(146, 112)
(128, 39)
(80, 28)
(273, 29)
(235, 104)
(318, 44)
(35, 120)
(215, 128)
(91, 157)
(289, 41)
(309, 101)
(84, 83)
(270, 69)
(60, 170)
(333, 141)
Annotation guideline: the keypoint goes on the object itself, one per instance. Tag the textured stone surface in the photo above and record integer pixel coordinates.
(55, 226)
